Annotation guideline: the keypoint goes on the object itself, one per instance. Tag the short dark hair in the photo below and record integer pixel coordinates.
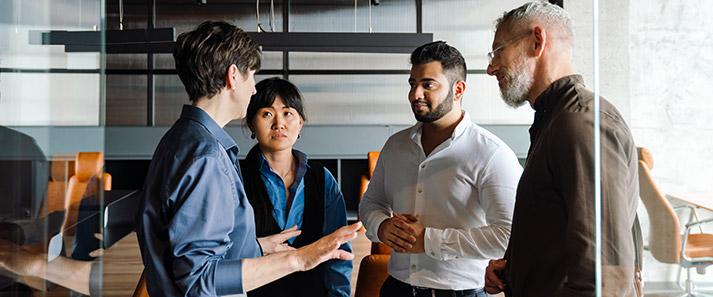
(266, 92)
(451, 59)
(203, 56)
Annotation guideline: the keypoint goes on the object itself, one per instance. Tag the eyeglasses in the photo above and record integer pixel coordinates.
(492, 55)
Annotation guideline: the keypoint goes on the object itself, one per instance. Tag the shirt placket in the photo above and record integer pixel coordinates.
(419, 205)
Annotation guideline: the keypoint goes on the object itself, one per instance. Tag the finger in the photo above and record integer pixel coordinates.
(405, 227)
(99, 236)
(394, 247)
(342, 255)
(399, 245)
(293, 228)
(353, 227)
(96, 253)
(492, 279)
(409, 217)
(285, 235)
(406, 237)
(492, 290)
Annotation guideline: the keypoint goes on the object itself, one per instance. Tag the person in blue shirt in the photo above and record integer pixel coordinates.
(289, 192)
(196, 228)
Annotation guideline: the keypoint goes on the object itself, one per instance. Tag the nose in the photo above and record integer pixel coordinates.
(416, 93)
(278, 122)
(492, 69)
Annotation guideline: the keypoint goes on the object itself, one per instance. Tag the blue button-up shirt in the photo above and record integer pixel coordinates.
(195, 224)
(337, 273)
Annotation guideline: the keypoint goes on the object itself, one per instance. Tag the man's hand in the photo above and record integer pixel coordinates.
(326, 248)
(418, 232)
(493, 283)
(397, 233)
(277, 242)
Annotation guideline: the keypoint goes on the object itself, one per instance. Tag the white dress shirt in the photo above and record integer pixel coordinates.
(464, 193)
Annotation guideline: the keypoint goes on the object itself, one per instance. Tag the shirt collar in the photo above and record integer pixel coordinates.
(199, 115)
(549, 96)
(301, 158)
(417, 129)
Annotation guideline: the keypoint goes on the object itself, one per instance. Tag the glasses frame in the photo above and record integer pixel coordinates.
(493, 54)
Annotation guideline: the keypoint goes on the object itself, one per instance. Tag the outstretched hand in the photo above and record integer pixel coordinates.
(327, 248)
(278, 242)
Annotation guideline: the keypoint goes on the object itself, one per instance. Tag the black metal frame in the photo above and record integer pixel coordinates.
(161, 41)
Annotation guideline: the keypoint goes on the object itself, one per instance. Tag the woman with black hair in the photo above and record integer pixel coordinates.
(287, 191)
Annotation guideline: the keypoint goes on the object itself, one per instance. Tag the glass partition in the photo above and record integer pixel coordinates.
(52, 182)
(654, 65)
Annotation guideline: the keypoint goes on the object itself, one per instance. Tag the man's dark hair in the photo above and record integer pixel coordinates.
(451, 59)
(204, 55)
(267, 91)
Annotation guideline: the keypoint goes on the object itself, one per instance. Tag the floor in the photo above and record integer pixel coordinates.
(122, 264)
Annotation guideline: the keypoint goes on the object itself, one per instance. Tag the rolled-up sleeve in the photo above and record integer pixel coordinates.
(496, 194)
(203, 208)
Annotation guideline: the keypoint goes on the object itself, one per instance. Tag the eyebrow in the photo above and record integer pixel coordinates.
(410, 80)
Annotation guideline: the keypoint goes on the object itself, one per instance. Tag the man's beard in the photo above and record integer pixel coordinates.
(441, 110)
(518, 82)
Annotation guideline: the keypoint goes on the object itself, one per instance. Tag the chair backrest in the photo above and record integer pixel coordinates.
(57, 185)
(84, 183)
(664, 227)
(141, 290)
(373, 271)
(372, 157)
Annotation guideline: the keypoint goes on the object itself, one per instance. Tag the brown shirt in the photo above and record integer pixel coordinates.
(552, 246)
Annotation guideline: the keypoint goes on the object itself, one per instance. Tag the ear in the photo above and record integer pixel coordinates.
(232, 76)
(540, 36)
(302, 122)
(458, 90)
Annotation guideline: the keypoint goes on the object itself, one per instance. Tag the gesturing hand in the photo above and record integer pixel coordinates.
(493, 283)
(17, 260)
(327, 248)
(277, 242)
(397, 233)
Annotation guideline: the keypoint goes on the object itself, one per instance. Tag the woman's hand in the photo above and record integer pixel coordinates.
(17, 260)
(277, 242)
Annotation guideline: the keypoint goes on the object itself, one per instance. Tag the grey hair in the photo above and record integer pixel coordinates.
(550, 14)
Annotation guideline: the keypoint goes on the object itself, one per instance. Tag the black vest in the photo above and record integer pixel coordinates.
(299, 284)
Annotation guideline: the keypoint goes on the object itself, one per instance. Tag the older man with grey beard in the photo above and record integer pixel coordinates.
(552, 245)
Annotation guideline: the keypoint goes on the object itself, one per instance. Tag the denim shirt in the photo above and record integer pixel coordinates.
(195, 224)
(337, 273)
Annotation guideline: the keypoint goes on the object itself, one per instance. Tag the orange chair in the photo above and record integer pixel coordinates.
(85, 182)
(141, 290)
(57, 186)
(373, 269)
(666, 243)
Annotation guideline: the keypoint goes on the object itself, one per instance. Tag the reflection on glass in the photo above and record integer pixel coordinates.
(126, 100)
(656, 54)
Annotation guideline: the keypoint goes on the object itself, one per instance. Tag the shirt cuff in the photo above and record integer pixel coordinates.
(372, 229)
(433, 242)
(229, 277)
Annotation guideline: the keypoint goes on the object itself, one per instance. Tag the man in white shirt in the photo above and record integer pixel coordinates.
(443, 191)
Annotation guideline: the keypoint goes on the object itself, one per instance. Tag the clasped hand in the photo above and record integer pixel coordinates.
(403, 233)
